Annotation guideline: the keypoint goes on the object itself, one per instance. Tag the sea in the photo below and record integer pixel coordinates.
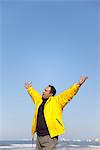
(62, 145)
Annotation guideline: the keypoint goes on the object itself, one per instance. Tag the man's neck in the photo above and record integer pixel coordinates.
(44, 99)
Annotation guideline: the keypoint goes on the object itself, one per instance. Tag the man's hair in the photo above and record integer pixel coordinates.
(53, 90)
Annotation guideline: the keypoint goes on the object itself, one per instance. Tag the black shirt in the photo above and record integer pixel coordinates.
(41, 127)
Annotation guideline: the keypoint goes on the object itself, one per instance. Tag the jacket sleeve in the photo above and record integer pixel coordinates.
(34, 95)
(65, 97)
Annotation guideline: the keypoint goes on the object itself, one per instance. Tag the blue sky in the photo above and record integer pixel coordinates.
(49, 43)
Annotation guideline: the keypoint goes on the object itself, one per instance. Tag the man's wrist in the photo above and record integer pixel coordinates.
(79, 84)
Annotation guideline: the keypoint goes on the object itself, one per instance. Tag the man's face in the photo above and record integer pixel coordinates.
(46, 93)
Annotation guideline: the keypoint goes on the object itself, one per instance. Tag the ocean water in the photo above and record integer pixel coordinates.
(62, 145)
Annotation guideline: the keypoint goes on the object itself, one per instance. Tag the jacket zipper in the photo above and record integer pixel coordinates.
(59, 122)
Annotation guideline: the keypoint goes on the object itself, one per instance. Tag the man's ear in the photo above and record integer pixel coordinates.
(51, 94)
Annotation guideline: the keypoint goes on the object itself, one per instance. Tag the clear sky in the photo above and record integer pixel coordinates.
(49, 43)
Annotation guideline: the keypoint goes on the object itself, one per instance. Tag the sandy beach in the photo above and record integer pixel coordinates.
(97, 148)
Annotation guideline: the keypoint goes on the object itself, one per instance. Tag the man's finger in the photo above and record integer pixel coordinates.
(86, 77)
(30, 82)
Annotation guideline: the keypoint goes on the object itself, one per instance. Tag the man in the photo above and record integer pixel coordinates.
(47, 121)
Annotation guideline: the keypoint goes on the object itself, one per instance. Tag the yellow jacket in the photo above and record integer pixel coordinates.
(52, 110)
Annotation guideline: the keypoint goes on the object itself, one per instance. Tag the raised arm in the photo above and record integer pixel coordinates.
(65, 97)
(32, 92)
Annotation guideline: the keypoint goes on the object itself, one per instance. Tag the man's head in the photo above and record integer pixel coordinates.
(49, 91)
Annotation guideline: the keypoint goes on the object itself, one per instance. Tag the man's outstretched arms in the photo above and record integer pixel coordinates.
(68, 94)
(32, 92)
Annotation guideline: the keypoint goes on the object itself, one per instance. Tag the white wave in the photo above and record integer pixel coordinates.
(23, 145)
(72, 145)
(26, 140)
(58, 145)
(93, 146)
(7, 147)
(76, 140)
(18, 146)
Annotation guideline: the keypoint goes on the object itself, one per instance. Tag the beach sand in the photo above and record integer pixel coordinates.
(97, 148)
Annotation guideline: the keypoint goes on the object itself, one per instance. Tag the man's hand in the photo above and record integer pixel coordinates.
(27, 85)
(82, 80)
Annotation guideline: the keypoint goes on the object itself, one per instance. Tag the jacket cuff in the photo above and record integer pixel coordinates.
(29, 89)
(76, 86)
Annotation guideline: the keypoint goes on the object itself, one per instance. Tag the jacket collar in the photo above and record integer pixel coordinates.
(49, 99)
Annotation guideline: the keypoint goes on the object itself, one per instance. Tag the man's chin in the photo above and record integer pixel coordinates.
(44, 97)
